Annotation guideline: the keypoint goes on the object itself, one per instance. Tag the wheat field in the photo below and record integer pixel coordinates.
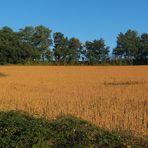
(112, 97)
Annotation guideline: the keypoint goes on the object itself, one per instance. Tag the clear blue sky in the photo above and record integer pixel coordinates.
(85, 19)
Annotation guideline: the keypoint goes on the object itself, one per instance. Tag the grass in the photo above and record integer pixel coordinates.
(18, 129)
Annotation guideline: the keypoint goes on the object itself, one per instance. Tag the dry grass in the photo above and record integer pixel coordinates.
(111, 97)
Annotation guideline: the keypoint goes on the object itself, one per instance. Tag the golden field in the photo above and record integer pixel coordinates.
(113, 97)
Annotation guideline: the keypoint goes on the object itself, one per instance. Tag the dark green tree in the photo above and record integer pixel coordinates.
(66, 51)
(26, 34)
(39, 37)
(60, 47)
(9, 51)
(74, 51)
(49, 55)
(97, 52)
(127, 46)
(143, 50)
(13, 50)
(42, 40)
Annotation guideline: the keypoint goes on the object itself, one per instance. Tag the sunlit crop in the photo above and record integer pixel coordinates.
(111, 97)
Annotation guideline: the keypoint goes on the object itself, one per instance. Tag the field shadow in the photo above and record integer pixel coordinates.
(3, 74)
(124, 83)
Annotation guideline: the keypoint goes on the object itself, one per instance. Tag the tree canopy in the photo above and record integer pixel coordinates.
(39, 44)
(132, 48)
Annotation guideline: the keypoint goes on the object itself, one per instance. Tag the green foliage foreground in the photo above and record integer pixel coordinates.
(18, 129)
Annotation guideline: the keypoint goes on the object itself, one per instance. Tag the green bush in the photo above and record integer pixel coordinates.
(20, 130)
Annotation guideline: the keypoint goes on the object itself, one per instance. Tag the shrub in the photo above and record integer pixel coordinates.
(17, 129)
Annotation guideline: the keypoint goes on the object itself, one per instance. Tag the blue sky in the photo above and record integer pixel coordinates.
(85, 19)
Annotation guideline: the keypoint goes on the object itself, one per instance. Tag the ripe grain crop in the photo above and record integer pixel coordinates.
(112, 97)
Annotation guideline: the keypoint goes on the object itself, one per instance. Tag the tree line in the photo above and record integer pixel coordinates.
(38, 44)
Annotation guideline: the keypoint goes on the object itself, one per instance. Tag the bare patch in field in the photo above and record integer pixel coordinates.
(2, 74)
(115, 83)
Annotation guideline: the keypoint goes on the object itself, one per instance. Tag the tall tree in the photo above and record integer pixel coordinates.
(74, 50)
(66, 50)
(144, 46)
(97, 52)
(26, 34)
(42, 40)
(39, 37)
(13, 50)
(60, 47)
(9, 51)
(127, 46)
